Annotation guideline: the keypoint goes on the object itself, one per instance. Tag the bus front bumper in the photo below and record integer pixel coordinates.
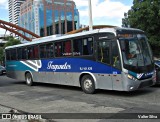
(134, 85)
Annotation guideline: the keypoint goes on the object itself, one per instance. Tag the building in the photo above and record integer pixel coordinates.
(49, 17)
(14, 9)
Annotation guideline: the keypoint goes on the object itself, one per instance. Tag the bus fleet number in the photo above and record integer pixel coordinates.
(85, 68)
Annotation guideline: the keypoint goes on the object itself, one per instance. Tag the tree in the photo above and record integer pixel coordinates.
(11, 41)
(1, 55)
(145, 15)
(125, 22)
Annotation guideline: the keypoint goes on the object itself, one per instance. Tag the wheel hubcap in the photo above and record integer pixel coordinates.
(87, 84)
(28, 80)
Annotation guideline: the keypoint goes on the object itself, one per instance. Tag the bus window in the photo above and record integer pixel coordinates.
(13, 54)
(42, 51)
(67, 48)
(88, 46)
(24, 53)
(103, 51)
(8, 55)
(77, 47)
(36, 52)
(19, 52)
(58, 49)
(115, 55)
(49, 50)
(30, 52)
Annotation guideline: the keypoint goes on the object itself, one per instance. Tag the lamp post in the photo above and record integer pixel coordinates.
(90, 15)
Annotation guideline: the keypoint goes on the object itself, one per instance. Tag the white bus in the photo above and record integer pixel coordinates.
(111, 58)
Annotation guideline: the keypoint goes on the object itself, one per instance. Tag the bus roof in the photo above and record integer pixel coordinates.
(59, 36)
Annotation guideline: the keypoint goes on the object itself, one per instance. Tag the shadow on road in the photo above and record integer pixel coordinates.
(48, 85)
(4, 81)
(139, 92)
(156, 86)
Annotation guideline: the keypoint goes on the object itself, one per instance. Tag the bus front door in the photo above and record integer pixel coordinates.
(103, 56)
(116, 67)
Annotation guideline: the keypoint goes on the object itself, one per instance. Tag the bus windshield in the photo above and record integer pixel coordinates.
(136, 52)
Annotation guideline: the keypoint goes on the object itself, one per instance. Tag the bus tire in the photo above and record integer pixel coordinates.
(87, 84)
(29, 79)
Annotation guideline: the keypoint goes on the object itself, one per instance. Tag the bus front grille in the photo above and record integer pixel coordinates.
(146, 83)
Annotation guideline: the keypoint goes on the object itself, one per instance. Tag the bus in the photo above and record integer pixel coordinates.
(110, 58)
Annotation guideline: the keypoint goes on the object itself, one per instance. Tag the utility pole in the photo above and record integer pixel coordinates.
(90, 15)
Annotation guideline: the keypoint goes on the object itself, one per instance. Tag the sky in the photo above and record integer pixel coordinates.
(104, 12)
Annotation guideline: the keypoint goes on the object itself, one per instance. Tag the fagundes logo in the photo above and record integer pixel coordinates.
(55, 67)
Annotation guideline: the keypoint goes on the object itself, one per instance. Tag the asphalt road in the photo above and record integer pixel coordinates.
(48, 98)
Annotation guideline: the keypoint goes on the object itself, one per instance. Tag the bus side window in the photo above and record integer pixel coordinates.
(88, 46)
(7, 55)
(49, 50)
(24, 53)
(13, 55)
(30, 52)
(36, 52)
(77, 47)
(58, 49)
(66, 48)
(19, 52)
(42, 51)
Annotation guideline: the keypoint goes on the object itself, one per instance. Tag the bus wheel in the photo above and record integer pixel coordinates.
(29, 79)
(87, 84)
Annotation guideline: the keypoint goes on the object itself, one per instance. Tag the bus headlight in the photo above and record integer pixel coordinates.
(131, 77)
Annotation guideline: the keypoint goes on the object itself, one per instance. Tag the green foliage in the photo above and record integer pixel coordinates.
(145, 15)
(11, 41)
(1, 54)
(125, 21)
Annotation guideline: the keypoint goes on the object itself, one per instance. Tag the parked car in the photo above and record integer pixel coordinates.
(2, 70)
(157, 67)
